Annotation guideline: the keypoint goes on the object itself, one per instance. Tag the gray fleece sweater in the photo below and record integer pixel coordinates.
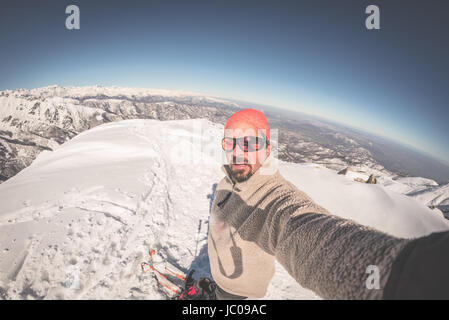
(266, 218)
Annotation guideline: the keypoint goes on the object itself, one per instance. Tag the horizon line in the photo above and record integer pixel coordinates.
(238, 102)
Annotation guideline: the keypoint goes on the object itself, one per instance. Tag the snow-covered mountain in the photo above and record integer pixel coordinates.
(77, 222)
(41, 119)
(32, 121)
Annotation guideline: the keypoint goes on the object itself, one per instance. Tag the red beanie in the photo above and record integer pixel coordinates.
(252, 116)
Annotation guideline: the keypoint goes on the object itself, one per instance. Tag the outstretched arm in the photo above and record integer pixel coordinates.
(335, 257)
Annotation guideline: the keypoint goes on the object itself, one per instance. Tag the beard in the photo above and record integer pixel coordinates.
(240, 175)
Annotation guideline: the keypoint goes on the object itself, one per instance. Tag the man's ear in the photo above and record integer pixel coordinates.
(268, 149)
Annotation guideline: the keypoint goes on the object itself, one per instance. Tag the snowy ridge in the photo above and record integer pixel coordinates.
(104, 92)
(77, 223)
(41, 119)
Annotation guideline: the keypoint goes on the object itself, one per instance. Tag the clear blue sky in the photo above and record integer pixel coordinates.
(312, 56)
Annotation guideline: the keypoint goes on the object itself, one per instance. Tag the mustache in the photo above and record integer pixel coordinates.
(240, 161)
(236, 160)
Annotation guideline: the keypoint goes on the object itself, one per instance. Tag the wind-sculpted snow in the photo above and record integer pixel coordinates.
(77, 223)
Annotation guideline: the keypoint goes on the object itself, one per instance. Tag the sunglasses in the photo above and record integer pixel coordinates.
(246, 144)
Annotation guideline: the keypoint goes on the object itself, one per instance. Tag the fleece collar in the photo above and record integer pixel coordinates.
(266, 171)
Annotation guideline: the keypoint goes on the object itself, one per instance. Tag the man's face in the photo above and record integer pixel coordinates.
(244, 164)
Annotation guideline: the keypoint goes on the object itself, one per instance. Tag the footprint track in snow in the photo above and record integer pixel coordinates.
(150, 221)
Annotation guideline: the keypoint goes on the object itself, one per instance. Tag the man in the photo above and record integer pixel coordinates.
(257, 216)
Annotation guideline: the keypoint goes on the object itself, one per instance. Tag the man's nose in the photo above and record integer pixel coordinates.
(238, 153)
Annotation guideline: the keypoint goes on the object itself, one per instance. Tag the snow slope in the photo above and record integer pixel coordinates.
(78, 222)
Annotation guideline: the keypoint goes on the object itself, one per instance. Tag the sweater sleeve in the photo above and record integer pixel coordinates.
(334, 257)
(421, 271)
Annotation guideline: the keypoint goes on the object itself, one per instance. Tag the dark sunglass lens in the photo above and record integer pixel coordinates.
(255, 143)
(228, 144)
(246, 144)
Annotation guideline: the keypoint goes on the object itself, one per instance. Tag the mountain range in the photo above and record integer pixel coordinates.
(36, 120)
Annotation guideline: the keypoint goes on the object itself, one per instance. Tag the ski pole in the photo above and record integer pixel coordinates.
(152, 252)
(197, 236)
(180, 276)
(143, 264)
